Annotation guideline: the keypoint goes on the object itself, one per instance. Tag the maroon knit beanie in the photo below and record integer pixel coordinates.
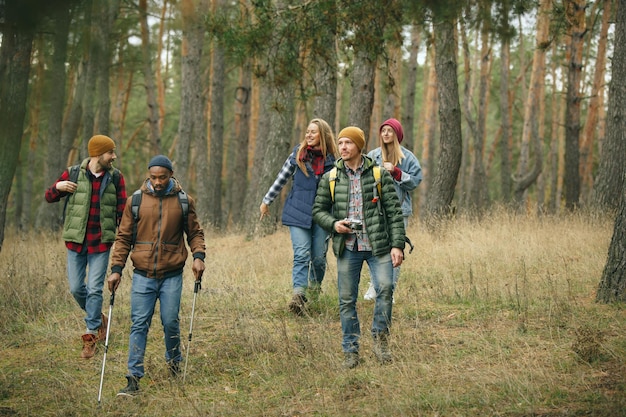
(396, 126)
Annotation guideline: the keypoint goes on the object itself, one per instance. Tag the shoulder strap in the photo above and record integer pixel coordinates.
(73, 172)
(135, 203)
(184, 205)
(116, 178)
(332, 179)
(376, 170)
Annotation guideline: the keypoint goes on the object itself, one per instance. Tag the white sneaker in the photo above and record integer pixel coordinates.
(370, 294)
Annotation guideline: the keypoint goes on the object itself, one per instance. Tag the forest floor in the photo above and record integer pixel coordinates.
(492, 318)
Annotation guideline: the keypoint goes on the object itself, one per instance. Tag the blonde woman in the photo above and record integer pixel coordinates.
(405, 170)
(314, 156)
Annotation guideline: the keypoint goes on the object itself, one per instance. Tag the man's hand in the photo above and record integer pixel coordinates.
(114, 281)
(343, 226)
(397, 256)
(66, 186)
(198, 269)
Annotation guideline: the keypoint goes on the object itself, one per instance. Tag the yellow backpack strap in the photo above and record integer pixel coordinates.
(377, 179)
(332, 178)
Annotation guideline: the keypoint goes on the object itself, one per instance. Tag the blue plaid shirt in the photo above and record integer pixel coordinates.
(285, 173)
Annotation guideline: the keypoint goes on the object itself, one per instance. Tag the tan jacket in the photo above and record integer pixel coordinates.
(159, 250)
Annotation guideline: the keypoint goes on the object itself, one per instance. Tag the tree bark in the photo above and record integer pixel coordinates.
(408, 114)
(362, 95)
(610, 180)
(14, 72)
(216, 149)
(506, 124)
(444, 182)
(531, 142)
(575, 13)
(151, 93)
(237, 179)
(612, 285)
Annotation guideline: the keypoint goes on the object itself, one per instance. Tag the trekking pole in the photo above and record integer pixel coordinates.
(106, 344)
(196, 287)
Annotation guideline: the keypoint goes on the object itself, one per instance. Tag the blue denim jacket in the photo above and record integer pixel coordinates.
(411, 177)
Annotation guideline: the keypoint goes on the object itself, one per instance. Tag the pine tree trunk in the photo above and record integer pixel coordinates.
(216, 150)
(362, 95)
(575, 11)
(151, 93)
(612, 286)
(506, 138)
(408, 114)
(14, 71)
(609, 183)
(439, 200)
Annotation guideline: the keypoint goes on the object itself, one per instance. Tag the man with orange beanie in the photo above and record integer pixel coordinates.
(367, 226)
(96, 197)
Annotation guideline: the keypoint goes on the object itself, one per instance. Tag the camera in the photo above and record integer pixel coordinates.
(355, 224)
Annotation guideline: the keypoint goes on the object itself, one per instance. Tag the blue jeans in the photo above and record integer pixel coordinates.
(349, 266)
(309, 256)
(143, 297)
(88, 294)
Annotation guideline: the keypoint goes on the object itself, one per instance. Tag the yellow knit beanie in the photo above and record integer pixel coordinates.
(355, 134)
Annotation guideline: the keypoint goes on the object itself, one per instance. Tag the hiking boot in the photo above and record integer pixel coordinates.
(370, 294)
(174, 368)
(297, 305)
(89, 346)
(381, 349)
(102, 330)
(351, 360)
(131, 389)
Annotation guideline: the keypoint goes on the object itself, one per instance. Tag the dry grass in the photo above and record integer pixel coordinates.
(492, 318)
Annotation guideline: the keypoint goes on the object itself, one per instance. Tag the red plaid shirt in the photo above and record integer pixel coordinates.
(93, 236)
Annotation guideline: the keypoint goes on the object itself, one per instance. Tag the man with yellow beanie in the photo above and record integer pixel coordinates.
(96, 197)
(367, 226)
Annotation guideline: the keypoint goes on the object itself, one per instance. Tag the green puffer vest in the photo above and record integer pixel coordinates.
(77, 210)
(385, 231)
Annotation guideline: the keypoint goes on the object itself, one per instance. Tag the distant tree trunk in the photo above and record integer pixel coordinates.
(216, 150)
(148, 75)
(391, 82)
(531, 142)
(15, 53)
(609, 184)
(590, 128)
(612, 286)
(444, 182)
(325, 77)
(237, 179)
(362, 95)
(191, 113)
(408, 114)
(479, 193)
(160, 84)
(107, 12)
(429, 117)
(25, 178)
(49, 215)
(506, 124)
(555, 137)
(575, 12)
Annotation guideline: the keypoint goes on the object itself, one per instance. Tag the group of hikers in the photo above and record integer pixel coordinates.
(362, 201)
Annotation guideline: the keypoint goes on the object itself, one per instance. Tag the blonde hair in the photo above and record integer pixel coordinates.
(327, 143)
(391, 152)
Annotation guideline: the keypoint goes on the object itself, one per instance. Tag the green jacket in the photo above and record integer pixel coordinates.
(385, 231)
(77, 210)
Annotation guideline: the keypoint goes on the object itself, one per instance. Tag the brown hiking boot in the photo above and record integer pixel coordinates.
(102, 330)
(89, 346)
(297, 304)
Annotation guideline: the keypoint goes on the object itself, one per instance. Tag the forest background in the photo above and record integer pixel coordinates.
(505, 102)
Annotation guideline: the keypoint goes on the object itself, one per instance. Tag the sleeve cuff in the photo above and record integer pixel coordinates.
(117, 268)
(396, 174)
(199, 255)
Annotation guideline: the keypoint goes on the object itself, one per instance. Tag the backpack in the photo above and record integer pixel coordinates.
(75, 169)
(332, 178)
(183, 200)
